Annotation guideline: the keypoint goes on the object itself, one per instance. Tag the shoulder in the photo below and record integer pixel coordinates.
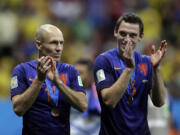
(22, 68)
(109, 53)
(65, 67)
(106, 56)
(141, 58)
(21, 65)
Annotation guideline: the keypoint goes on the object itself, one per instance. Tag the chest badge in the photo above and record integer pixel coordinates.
(143, 68)
(63, 77)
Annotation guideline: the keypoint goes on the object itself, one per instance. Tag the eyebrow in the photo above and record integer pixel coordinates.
(128, 32)
(56, 41)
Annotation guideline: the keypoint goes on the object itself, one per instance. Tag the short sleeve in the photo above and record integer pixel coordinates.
(18, 81)
(103, 74)
(75, 80)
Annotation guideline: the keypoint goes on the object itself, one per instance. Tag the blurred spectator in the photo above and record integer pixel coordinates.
(87, 123)
(152, 29)
(174, 95)
(174, 119)
(97, 12)
(8, 28)
(66, 11)
(158, 119)
(136, 5)
(6, 64)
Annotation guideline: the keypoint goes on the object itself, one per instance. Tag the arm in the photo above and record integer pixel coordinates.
(74, 98)
(158, 92)
(113, 94)
(24, 101)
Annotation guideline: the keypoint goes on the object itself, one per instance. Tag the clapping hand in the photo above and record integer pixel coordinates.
(128, 55)
(43, 66)
(156, 56)
(46, 66)
(52, 72)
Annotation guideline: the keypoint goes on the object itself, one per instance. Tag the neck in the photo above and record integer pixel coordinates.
(87, 85)
(120, 53)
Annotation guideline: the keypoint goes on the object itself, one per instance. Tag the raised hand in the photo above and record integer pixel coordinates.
(43, 65)
(128, 55)
(52, 72)
(156, 56)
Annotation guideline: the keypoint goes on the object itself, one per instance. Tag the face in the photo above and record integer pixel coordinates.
(127, 33)
(84, 73)
(52, 45)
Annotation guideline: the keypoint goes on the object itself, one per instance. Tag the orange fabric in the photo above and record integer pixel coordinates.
(143, 68)
(63, 78)
(46, 89)
(173, 131)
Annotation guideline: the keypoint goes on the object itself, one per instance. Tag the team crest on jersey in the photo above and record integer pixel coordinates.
(143, 68)
(63, 77)
(80, 81)
(14, 82)
(100, 75)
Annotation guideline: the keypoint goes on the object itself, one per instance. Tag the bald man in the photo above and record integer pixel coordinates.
(43, 90)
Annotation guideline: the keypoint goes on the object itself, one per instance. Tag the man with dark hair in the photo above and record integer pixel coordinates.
(43, 90)
(124, 78)
(87, 123)
(131, 18)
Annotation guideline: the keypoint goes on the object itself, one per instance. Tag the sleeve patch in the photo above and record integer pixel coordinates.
(80, 81)
(100, 75)
(14, 82)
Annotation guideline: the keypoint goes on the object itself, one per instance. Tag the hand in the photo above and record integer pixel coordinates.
(128, 55)
(156, 56)
(52, 72)
(43, 65)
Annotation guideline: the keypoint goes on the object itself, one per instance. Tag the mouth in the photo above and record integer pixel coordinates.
(123, 46)
(56, 55)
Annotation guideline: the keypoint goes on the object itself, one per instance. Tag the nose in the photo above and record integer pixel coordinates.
(127, 39)
(59, 47)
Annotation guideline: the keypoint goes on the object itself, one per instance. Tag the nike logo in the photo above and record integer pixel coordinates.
(144, 81)
(30, 79)
(117, 68)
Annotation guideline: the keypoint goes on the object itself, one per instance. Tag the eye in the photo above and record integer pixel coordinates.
(61, 42)
(122, 33)
(54, 42)
(133, 35)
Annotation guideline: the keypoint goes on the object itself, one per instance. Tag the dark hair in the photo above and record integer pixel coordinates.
(130, 18)
(85, 61)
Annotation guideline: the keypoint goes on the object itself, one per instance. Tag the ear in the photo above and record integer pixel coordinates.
(115, 33)
(141, 36)
(38, 44)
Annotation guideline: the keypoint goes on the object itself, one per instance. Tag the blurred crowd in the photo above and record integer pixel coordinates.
(88, 26)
